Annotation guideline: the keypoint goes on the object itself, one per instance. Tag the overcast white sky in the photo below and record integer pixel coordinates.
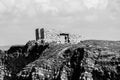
(93, 19)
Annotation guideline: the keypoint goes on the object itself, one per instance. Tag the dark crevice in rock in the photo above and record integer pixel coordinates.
(76, 63)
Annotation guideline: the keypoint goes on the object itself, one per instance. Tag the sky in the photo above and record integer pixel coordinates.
(92, 19)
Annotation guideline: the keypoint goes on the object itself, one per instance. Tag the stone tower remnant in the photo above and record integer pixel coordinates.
(37, 35)
(40, 34)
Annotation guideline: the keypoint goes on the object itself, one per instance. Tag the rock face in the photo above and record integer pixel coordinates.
(87, 60)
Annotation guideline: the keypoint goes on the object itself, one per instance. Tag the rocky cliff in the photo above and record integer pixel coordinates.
(87, 60)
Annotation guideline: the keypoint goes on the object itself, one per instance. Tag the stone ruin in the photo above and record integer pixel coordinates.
(45, 35)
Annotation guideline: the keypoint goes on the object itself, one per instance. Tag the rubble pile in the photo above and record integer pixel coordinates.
(87, 60)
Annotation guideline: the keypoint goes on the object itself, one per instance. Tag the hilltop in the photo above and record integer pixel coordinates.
(89, 59)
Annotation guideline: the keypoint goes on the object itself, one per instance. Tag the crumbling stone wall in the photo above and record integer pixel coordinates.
(51, 35)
